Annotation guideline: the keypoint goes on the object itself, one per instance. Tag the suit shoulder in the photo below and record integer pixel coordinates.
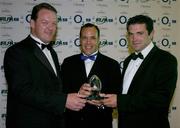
(20, 44)
(15, 47)
(166, 55)
(71, 58)
(109, 59)
(19, 48)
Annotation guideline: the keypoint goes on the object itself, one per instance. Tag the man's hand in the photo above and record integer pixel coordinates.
(85, 90)
(110, 100)
(75, 101)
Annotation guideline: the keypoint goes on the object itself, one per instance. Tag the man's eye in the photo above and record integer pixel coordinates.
(84, 38)
(44, 22)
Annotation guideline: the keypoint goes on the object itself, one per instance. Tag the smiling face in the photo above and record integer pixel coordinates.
(89, 40)
(139, 37)
(44, 27)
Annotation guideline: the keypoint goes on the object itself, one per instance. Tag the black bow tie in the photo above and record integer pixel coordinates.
(43, 46)
(92, 57)
(139, 55)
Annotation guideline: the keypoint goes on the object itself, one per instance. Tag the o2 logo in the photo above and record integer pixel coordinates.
(123, 19)
(165, 20)
(28, 18)
(166, 43)
(77, 42)
(123, 42)
(77, 18)
(168, 1)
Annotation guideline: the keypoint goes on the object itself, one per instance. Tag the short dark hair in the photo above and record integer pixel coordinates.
(89, 25)
(141, 19)
(40, 6)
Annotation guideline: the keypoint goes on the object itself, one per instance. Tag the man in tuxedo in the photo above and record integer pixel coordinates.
(76, 72)
(32, 71)
(149, 80)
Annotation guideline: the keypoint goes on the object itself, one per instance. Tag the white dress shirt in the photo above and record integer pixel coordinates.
(89, 63)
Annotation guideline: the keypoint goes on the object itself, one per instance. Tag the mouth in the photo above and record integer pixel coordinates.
(135, 43)
(88, 47)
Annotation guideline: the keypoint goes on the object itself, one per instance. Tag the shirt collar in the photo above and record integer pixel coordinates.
(36, 39)
(90, 54)
(147, 49)
(88, 60)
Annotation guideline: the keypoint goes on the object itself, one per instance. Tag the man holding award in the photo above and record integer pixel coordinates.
(88, 73)
(149, 80)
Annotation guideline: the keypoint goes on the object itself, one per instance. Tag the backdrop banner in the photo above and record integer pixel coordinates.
(110, 15)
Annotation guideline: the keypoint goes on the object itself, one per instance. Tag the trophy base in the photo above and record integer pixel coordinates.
(94, 97)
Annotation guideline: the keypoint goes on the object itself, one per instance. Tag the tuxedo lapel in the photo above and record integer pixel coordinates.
(82, 67)
(125, 64)
(140, 71)
(55, 59)
(145, 63)
(41, 56)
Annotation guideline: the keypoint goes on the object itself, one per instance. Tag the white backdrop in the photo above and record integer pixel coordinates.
(111, 17)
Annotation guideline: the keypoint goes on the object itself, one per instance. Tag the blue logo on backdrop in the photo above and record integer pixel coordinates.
(165, 42)
(77, 18)
(62, 19)
(3, 116)
(105, 42)
(103, 19)
(123, 42)
(125, 1)
(59, 43)
(7, 43)
(165, 20)
(168, 1)
(28, 18)
(77, 42)
(98, 20)
(7, 19)
(123, 19)
(4, 92)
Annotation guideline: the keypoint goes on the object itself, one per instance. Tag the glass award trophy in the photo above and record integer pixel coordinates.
(96, 85)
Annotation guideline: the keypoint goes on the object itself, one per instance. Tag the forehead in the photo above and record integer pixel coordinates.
(137, 27)
(89, 30)
(45, 12)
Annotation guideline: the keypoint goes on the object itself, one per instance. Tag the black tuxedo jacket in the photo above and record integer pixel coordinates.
(74, 75)
(147, 102)
(34, 91)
